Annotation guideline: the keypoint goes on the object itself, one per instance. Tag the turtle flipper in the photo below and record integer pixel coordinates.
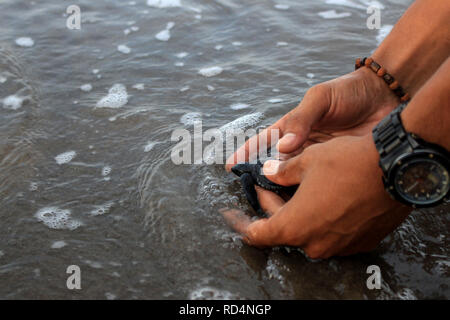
(248, 185)
(241, 168)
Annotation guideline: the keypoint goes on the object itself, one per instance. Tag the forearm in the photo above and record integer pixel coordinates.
(418, 44)
(428, 113)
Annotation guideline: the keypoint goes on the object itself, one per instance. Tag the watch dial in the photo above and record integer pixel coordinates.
(422, 181)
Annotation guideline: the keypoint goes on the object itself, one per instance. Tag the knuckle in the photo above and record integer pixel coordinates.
(316, 251)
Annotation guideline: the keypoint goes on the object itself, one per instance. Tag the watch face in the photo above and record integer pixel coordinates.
(422, 181)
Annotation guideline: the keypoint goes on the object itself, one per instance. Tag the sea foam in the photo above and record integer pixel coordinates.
(117, 97)
(65, 157)
(25, 42)
(210, 71)
(13, 102)
(164, 3)
(56, 218)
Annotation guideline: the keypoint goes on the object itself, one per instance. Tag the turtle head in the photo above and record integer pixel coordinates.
(242, 168)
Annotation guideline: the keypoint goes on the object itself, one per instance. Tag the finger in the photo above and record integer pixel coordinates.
(259, 233)
(269, 201)
(253, 146)
(296, 125)
(285, 173)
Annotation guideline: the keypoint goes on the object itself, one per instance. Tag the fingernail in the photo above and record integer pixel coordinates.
(288, 138)
(271, 167)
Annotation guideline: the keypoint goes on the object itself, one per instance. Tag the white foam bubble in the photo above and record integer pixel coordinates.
(191, 118)
(1, 253)
(117, 97)
(164, 3)
(239, 106)
(181, 55)
(275, 90)
(25, 42)
(210, 71)
(102, 209)
(218, 47)
(135, 28)
(149, 146)
(110, 296)
(236, 43)
(332, 14)
(86, 87)
(281, 6)
(179, 64)
(210, 87)
(56, 218)
(106, 170)
(95, 71)
(33, 186)
(241, 123)
(275, 100)
(126, 31)
(139, 86)
(383, 32)
(163, 35)
(209, 293)
(124, 49)
(310, 75)
(282, 44)
(346, 3)
(58, 244)
(13, 102)
(65, 157)
(93, 264)
(3, 79)
(185, 88)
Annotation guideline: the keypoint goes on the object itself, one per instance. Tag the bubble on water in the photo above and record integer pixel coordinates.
(102, 209)
(3, 79)
(95, 71)
(130, 23)
(281, 6)
(181, 55)
(110, 296)
(383, 32)
(210, 87)
(241, 123)
(33, 186)
(13, 102)
(191, 118)
(56, 218)
(310, 75)
(25, 42)
(210, 71)
(117, 97)
(185, 88)
(406, 294)
(126, 31)
(1, 253)
(282, 44)
(198, 16)
(124, 49)
(139, 86)
(93, 264)
(218, 47)
(239, 106)
(163, 35)
(106, 170)
(275, 100)
(179, 64)
(210, 293)
(164, 3)
(86, 87)
(332, 14)
(65, 157)
(275, 90)
(58, 244)
(135, 28)
(237, 43)
(149, 146)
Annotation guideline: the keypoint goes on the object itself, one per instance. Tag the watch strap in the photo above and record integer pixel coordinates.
(391, 139)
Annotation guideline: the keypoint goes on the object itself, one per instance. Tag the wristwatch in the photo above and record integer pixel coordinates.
(415, 172)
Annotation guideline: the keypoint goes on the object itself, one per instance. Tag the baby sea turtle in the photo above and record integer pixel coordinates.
(251, 175)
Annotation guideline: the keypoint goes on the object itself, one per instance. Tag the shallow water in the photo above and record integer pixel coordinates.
(85, 171)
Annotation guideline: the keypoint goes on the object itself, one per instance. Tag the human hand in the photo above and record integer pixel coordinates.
(340, 208)
(349, 105)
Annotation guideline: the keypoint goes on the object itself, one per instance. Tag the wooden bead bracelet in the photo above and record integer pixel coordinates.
(382, 73)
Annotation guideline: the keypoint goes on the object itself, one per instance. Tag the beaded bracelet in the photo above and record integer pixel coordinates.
(382, 73)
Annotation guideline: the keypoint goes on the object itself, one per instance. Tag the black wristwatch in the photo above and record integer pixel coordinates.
(415, 172)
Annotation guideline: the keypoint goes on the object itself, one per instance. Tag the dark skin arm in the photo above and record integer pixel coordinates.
(341, 206)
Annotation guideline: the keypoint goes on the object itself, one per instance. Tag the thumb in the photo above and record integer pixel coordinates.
(285, 173)
(296, 125)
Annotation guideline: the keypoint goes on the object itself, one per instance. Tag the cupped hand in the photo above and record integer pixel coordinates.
(340, 207)
(349, 105)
